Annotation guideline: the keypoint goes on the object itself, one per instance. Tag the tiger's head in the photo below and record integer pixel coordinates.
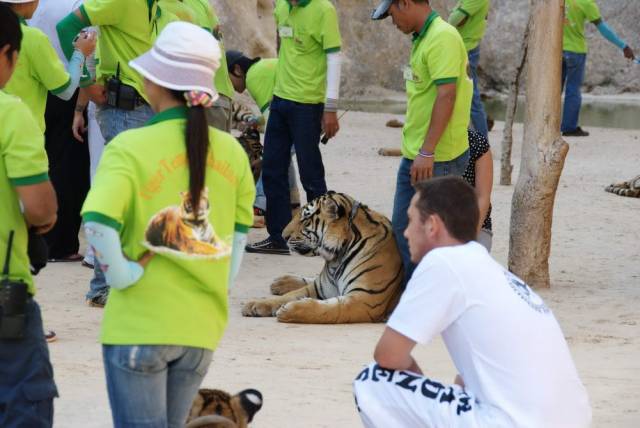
(239, 408)
(322, 227)
(186, 208)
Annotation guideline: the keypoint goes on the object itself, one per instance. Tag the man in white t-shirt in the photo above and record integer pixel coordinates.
(514, 363)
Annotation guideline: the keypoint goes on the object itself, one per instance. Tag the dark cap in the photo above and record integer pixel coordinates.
(238, 58)
(382, 11)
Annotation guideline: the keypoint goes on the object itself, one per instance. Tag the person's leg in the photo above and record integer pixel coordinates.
(184, 378)
(137, 384)
(27, 388)
(261, 199)
(275, 164)
(478, 115)
(399, 219)
(305, 126)
(396, 398)
(574, 63)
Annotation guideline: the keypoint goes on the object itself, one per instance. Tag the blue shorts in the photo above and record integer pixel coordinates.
(27, 388)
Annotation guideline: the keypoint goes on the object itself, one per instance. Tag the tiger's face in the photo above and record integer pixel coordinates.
(187, 212)
(239, 408)
(321, 227)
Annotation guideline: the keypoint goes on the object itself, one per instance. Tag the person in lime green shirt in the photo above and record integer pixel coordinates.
(39, 69)
(27, 201)
(304, 105)
(470, 18)
(439, 92)
(220, 115)
(574, 57)
(168, 224)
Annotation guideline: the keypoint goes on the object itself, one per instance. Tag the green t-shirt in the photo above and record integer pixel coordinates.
(205, 17)
(576, 13)
(141, 189)
(39, 70)
(179, 9)
(475, 26)
(261, 78)
(307, 33)
(23, 162)
(438, 56)
(127, 30)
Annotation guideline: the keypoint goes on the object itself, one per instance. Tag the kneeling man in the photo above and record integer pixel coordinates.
(514, 363)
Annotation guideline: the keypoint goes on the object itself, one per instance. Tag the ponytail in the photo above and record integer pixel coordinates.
(197, 145)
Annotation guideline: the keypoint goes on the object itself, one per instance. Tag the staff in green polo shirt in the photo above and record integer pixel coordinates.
(470, 17)
(434, 137)
(39, 69)
(574, 58)
(304, 105)
(27, 200)
(220, 114)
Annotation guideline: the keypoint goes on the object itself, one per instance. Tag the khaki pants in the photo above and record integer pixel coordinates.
(219, 116)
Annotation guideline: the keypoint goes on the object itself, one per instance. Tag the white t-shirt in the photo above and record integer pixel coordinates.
(47, 16)
(503, 339)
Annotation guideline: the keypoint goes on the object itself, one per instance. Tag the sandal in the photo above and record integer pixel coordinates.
(68, 259)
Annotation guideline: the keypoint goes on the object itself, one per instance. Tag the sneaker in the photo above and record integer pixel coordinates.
(50, 336)
(578, 132)
(267, 247)
(98, 301)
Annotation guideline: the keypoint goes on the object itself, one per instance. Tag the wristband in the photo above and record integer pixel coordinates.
(424, 154)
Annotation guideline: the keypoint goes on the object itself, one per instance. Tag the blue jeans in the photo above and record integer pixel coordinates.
(402, 200)
(153, 386)
(478, 115)
(573, 65)
(27, 388)
(298, 125)
(113, 121)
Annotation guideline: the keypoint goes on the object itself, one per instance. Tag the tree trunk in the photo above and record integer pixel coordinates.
(543, 150)
(512, 103)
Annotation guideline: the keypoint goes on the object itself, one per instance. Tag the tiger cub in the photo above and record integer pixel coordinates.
(185, 231)
(629, 188)
(239, 409)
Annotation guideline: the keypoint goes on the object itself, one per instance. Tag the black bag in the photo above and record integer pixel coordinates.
(38, 251)
(13, 301)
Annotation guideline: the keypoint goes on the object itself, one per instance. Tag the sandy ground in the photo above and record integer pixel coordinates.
(305, 371)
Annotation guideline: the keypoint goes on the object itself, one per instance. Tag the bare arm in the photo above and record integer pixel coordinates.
(484, 184)
(393, 351)
(422, 167)
(40, 205)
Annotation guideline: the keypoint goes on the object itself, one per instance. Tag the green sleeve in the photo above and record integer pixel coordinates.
(111, 189)
(22, 146)
(471, 7)
(46, 66)
(444, 57)
(105, 12)
(245, 194)
(330, 31)
(456, 17)
(67, 30)
(590, 9)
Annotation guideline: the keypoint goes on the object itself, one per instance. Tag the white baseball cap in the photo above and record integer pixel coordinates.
(184, 57)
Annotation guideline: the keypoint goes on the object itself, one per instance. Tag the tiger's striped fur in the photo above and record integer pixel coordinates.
(361, 279)
(629, 188)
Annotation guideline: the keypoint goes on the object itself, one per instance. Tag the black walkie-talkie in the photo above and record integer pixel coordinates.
(13, 301)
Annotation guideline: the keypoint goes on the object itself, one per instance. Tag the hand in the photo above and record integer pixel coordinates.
(86, 43)
(44, 228)
(146, 258)
(97, 94)
(79, 126)
(330, 125)
(628, 53)
(421, 169)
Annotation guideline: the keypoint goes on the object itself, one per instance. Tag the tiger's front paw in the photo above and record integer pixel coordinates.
(300, 311)
(287, 283)
(259, 309)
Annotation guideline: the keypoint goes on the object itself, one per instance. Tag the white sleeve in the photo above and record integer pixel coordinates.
(237, 251)
(334, 64)
(432, 301)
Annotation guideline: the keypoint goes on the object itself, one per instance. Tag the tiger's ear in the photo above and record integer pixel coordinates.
(332, 209)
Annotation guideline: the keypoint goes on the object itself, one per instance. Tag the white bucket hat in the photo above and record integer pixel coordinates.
(18, 1)
(184, 57)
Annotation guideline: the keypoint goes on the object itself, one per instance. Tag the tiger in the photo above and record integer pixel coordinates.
(250, 142)
(181, 229)
(213, 408)
(629, 188)
(363, 274)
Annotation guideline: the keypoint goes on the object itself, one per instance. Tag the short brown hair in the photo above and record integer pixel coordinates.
(454, 201)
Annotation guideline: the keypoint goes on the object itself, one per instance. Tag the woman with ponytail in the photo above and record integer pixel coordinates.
(167, 216)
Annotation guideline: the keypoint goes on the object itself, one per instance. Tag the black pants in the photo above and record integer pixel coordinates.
(69, 173)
